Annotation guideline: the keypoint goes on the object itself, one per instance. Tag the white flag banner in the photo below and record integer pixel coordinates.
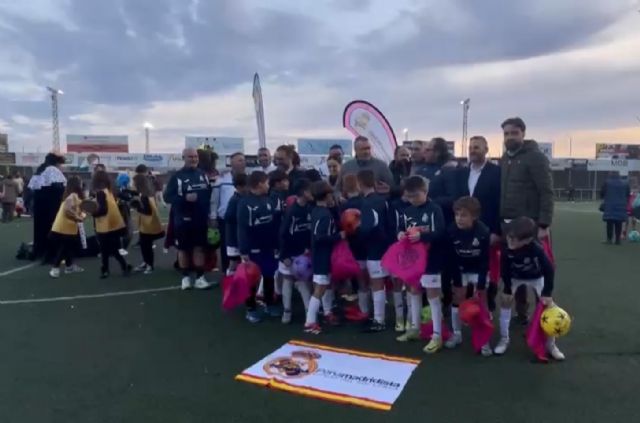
(259, 106)
(334, 374)
(363, 118)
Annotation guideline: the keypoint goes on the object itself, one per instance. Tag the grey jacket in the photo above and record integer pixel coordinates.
(379, 167)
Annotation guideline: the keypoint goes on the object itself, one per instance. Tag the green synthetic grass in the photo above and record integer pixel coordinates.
(172, 356)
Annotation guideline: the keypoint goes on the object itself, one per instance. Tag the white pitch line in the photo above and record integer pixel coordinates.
(18, 269)
(85, 297)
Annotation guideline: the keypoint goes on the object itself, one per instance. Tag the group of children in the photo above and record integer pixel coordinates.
(109, 224)
(266, 227)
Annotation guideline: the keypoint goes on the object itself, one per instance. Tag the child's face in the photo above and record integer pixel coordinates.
(416, 198)
(263, 187)
(330, 200)
(307, 196)
(282, 185)
(516, 244)
(464, 219)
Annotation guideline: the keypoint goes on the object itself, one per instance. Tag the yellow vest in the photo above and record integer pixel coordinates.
(63, 224)
(112, 221)
(150, 224)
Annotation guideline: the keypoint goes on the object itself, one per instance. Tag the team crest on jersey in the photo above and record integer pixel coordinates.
(475, 242)
(527, 260)
(424, 218)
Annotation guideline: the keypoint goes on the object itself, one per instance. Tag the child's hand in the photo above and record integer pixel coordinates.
(414, 236)
(343, 235)
(547, 301)
(401, 236)
(245, 259)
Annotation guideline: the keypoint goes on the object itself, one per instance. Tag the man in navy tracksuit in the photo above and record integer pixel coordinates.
(189, 193)
(258, 240)
(373, 231)
(295, 240)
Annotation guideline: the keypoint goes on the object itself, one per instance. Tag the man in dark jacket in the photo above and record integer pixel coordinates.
(526, 187)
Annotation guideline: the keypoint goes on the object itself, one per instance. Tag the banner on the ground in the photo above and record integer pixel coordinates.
(618, 151)
(259, 106)
(221, 145)
(97, 143)
(363, 118)
(333, 374)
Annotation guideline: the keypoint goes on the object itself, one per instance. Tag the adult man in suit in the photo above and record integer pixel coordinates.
(481, 179)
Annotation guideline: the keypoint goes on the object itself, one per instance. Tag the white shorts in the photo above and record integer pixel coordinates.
(375, 270)
(469, 278)
(233, 252)
(536, 284)
(321, 279)
(362, 264)
(431, 281)
(283, 269)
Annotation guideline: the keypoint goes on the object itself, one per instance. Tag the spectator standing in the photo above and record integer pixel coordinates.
(363, 161)
(614, 193)
(287, 159)
(400, 166)
(223, 190)
(334, 166)
(336, 153)
(8, 196)
(265, 162)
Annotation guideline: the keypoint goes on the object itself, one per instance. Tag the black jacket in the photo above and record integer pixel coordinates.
(487, 191)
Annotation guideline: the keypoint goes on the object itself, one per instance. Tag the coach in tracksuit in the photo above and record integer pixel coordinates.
(189, 194)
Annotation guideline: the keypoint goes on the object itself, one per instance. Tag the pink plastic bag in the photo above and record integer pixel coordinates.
(407, 261)
(536, 338)
(426, 330)
(481, 328)
(547, 246)
(495, 253)
(343, 264)
(235, 291)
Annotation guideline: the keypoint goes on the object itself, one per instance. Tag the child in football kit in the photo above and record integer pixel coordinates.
(323, 238)
(424, 222)
(373, 230)
(468, 240)
(295, 240)
(524, 262)
(353, 200)
(258, 241)
(240, 183)
(396, 214)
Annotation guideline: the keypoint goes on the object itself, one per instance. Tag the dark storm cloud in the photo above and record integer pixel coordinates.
(166, 54)
(493, 30)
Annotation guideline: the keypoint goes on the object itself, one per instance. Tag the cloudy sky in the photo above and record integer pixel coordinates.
(570, 68)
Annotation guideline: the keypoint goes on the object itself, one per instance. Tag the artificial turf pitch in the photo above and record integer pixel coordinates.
(171, 356)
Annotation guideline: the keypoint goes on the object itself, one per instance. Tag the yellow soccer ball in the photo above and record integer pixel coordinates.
(555, 321)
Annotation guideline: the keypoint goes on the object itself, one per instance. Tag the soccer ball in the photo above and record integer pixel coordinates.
(634, 236)
(555, 321)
